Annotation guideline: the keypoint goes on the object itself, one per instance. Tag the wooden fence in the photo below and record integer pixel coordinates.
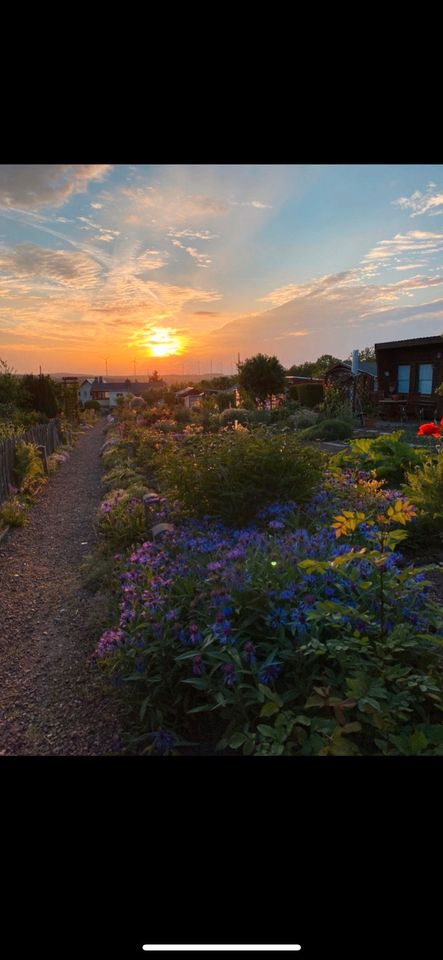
(43, 434)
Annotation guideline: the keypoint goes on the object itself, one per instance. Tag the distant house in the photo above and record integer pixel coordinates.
(189, 397)
(108, 392)
(85, 390)
(341, 373)
(409, 372)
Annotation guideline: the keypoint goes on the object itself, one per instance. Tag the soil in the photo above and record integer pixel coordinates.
(53, 698)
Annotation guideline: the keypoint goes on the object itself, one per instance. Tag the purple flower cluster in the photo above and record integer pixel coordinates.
(227, 593)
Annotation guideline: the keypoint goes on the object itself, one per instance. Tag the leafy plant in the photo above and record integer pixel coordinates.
(424, 487)
(234, 413)
(13, 513)
(8, 429)
(388, 455)
(335, 406)
(231, 477)
(328, 430)
(28, 467)
(303, 418)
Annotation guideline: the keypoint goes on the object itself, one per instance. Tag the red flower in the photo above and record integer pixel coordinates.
(429, 430)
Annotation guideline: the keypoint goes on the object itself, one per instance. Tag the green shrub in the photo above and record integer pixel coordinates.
(92, 405)
(303, 418)
(121, 477)
(235, 413)
(309, 394)
(116, 455)
(9, 429)
(335, 406)
(389, 455)
(28, 467)
(283, 412)
(122, 520)
(328, 430)
(424, 487)
(13, 513)
(232, 476)
(181, 414)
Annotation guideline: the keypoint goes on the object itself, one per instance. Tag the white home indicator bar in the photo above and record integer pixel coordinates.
(188, 947)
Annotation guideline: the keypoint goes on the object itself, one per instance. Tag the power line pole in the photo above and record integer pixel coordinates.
(106, 365)
(135, 369)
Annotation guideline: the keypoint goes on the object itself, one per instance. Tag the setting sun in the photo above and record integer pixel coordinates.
(163, 342)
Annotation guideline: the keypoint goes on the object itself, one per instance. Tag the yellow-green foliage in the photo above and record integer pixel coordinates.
(13, 513)
(425, 489)
(28, 467)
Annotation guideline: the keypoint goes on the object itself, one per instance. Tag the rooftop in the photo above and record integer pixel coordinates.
(415, 342)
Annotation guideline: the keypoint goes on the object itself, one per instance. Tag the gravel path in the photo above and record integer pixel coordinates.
(52, 696)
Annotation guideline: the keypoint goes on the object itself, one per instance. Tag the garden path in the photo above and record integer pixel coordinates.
(52, 696)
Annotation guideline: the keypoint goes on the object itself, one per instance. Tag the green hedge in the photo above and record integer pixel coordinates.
(309, 394)
(328, 430)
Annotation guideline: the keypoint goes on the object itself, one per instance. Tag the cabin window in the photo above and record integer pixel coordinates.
(425, 372)
(404, 375)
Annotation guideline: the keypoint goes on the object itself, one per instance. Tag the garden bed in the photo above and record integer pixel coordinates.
(274, 613)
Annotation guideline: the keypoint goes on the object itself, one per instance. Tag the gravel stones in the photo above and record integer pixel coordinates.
(53, 699)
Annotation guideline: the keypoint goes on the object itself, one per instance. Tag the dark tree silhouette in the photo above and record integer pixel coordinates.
(262, 377)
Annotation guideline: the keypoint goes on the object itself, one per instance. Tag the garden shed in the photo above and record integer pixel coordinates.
(359, 389)
(408, 373)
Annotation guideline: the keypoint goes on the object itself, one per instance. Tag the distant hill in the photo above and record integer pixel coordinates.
(116, 378)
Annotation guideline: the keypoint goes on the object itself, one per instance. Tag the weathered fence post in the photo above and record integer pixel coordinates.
(42, 451)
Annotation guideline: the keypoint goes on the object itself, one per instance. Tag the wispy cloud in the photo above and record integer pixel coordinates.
(251, 203)
(33, 185)
(404, 243)
(202, 259)
(170, 206)
(412, 266)
(104, 233)
(420, 203)
(193, 234)
(31, 261)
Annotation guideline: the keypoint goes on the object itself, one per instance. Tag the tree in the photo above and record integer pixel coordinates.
(262, 377)
(368, 353)
(313, 368)
(11, 386)
(302, 369)
(42, 392)
(323, 363)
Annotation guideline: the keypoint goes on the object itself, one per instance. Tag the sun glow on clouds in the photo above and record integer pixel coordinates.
(162, 342)
(126, 267)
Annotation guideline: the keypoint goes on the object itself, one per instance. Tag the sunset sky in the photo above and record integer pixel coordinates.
(182, 267)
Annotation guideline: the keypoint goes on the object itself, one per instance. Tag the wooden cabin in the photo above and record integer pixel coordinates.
(408, 374)
(359, 390)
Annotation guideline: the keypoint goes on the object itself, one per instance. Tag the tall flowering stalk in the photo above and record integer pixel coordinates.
(385, 539)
